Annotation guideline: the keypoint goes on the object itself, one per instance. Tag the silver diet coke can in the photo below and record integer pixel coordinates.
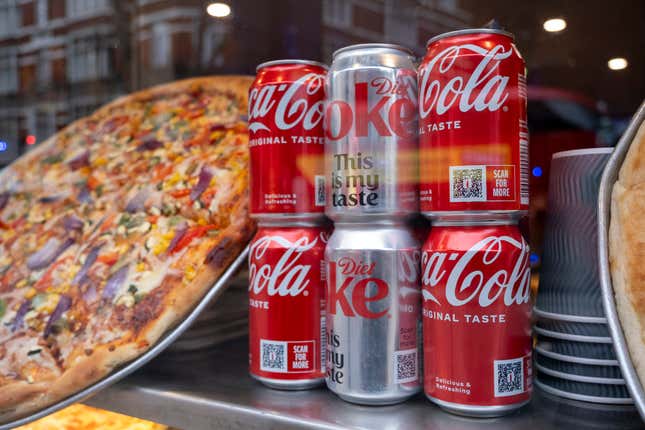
(373, 313)
(371, 132)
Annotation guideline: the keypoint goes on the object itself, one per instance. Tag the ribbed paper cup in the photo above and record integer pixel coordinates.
(569, 280)
(599, 391)
(584, 370)
(580, 352)
(582, 329)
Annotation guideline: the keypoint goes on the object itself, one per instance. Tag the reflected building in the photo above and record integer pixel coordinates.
(61, 59)
(406, 22)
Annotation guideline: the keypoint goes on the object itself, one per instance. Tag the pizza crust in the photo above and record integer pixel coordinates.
(236, 85)
(627, 249)
(22, 398)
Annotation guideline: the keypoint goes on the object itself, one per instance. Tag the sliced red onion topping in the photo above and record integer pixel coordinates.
(90, 295)
(79, 161)
(180, 232)
(149, 145)
(89, 260)
(205, 177)
(51, 199)
(137, 203)
(244, 118)
(64, 303)
(4, 199)
(20, 315)
(114, 283)
(73, 223)
(84, 195)
(48, 253)
(217, 256)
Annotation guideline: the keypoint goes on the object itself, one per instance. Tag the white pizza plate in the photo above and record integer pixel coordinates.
(609, 178)
(215, 291)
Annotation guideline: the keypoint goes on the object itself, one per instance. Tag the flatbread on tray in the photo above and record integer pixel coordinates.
(627, 249)
(113, 229)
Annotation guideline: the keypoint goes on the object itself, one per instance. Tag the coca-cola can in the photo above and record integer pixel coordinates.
(287, 305)
(476, 318)
(373, 313)
(286, 140)
(371, 132)
(473, 134)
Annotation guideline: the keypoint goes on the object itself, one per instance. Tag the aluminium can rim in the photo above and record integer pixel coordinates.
(372, 45)
(478, 411)
(290, 61)
(473, 223)
(470, 31)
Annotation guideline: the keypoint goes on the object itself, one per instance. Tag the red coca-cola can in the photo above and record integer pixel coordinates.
(287, 305)
(286, 139)
(476, 318)
(473, 135)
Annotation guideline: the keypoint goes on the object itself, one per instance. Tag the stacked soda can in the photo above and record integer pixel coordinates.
(474, 188)
(286, 288)
(372, 258)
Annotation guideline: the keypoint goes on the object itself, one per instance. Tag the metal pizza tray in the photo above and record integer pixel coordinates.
(165, 341)
(609, 177)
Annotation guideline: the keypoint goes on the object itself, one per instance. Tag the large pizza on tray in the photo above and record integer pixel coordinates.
(627, 249)
(111, 230)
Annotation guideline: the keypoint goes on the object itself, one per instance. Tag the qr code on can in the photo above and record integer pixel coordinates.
(406, 366)
(273, 356)
(467, 183)
(509, 377)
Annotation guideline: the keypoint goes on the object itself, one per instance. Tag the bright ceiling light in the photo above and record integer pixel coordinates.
(218, 10)
(617, 63)
(554, 25)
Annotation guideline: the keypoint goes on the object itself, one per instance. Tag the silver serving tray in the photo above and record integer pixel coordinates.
(163, 343)
(609, 177)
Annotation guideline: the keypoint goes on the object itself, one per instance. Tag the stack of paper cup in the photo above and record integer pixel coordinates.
(574, 354)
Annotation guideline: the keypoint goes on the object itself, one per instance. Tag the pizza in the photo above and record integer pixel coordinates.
(113, 229)
(627, 249)
(82, 417)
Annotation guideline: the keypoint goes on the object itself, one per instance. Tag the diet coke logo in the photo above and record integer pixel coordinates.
(481, 88)
(357, 277)
(291, 103)
(469, 281)
(285, 277)
(386, 106)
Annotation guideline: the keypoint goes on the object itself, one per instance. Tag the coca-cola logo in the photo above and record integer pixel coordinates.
(386, 106)
(474, 277)
(291, 104)
(481, 88)
(357, 277)
(285, 277)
